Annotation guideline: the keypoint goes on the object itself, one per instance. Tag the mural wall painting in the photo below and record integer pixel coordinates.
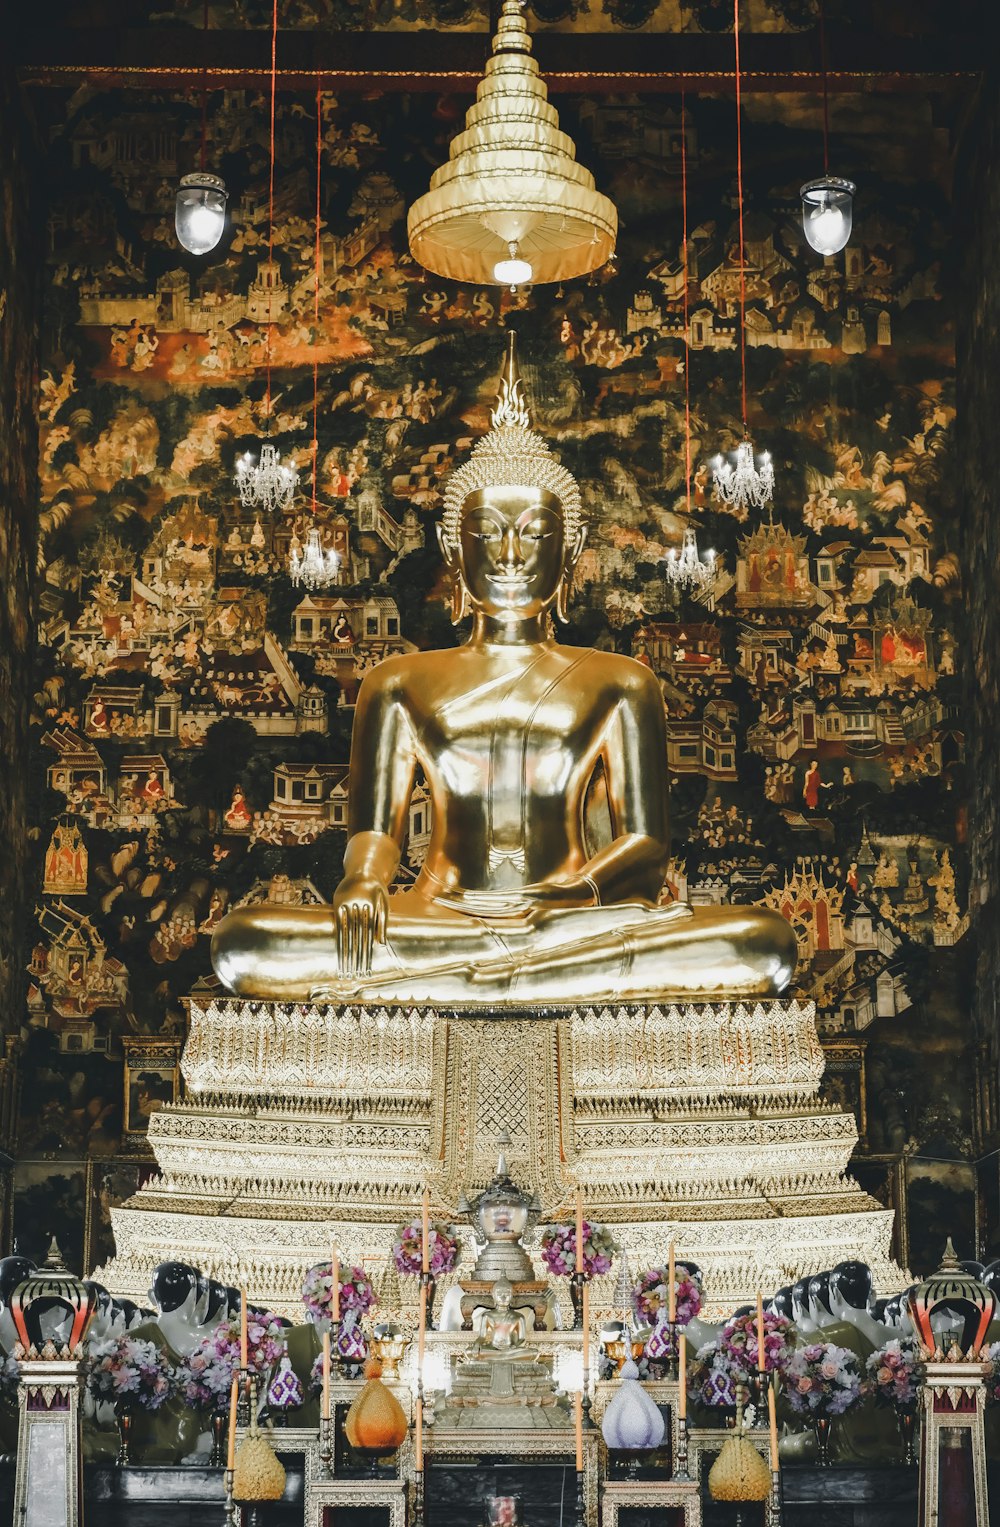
(192, 709)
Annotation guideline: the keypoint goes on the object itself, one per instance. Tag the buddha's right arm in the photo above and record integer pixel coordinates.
(383, 767)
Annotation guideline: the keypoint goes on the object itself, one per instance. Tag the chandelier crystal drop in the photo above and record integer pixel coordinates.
(268, 483)
(828, 213)
(312, 565)
(200, 212)
(748, 485)
(685, 568)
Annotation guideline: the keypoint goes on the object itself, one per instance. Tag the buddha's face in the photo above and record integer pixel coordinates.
(512, 550)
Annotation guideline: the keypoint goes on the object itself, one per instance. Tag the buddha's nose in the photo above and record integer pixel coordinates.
(510, 548)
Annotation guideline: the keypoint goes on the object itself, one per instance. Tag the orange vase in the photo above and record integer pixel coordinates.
(376, 1420)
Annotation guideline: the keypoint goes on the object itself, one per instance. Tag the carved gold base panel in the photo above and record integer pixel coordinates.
(696, 1122)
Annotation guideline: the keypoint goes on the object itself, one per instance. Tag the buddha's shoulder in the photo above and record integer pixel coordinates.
(613, 668)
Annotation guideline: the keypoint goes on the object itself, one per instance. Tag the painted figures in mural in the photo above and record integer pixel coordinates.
(193, 709)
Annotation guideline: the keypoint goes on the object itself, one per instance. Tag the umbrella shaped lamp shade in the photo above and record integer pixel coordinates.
(512, 189)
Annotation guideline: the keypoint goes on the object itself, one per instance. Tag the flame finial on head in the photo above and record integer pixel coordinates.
(510, 409)
(510, 455)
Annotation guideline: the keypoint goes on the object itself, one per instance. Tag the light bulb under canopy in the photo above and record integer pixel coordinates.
(513, 271)
(200, 211)
(828, 213)
(512, 177)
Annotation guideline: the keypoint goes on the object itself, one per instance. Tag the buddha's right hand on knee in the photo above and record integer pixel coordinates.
(360, 906)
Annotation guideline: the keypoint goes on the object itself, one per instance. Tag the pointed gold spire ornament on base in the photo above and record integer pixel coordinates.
(512, 205)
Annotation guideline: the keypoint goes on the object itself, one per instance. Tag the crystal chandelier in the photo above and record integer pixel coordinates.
(268, 483)
(747, 485)
(685, 569)
(512, 204)
(312, 565)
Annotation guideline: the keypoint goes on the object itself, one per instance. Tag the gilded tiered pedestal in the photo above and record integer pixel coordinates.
(697, 1122)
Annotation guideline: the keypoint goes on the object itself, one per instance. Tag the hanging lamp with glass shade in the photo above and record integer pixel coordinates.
(200, 203)
(512, 205)
(200, 211)
(828, 202)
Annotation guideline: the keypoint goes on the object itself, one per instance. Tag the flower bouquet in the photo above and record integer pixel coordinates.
(892, 1377)
(738, 1340)
(559, 1249)
(407, 1249)
(651, 1295)
(892, 1372)
(129, 1374)
(823, 1381)
(356, 1292)
(205, 1378)
(128, 1371)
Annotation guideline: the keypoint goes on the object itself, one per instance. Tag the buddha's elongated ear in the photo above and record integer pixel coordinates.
(459, 594)
(574, 550)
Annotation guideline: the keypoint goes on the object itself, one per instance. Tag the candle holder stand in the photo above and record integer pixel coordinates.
(429, 1282)
(576, 1283)
(418, 1498)
(681, 1461)
(775, 1502)
(230, 1514)
(581, 1508)
(335, 1347)
(245, 1388)
(586, 1403)
(676, 1332)
(326, 1445)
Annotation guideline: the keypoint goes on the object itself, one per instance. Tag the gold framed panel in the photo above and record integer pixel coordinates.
(151, 1081)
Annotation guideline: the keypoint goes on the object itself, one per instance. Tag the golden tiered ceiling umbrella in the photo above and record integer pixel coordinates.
(512, 187)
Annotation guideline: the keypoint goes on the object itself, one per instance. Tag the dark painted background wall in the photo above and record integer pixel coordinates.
(177, 694)
(19, 272)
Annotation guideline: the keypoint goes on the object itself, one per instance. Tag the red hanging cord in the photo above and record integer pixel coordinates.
(270, 204)
(319, 162)
(687, 334)
(204, 98)
(826, 95)
(739, 184)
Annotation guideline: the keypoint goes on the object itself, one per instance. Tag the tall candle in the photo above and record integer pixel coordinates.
(244, 1342)
(761, 1353)
(578, 1422)
(335, 1285)
(326, 1376)
(233, 1402)
(579, 1231)
(418, 1441)
(773, 1424)
(671, 1290)
(586, 1325)
(425, 1236)
(682, 1373)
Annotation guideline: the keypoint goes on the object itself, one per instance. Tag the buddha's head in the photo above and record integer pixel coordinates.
(512, 527)
(503, 1293)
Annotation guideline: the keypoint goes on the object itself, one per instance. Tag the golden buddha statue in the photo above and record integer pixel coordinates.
(509, 729)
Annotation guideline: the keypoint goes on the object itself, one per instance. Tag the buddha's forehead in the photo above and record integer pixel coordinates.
(511, 503)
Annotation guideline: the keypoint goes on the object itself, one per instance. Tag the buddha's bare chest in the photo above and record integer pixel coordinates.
(509, 741)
